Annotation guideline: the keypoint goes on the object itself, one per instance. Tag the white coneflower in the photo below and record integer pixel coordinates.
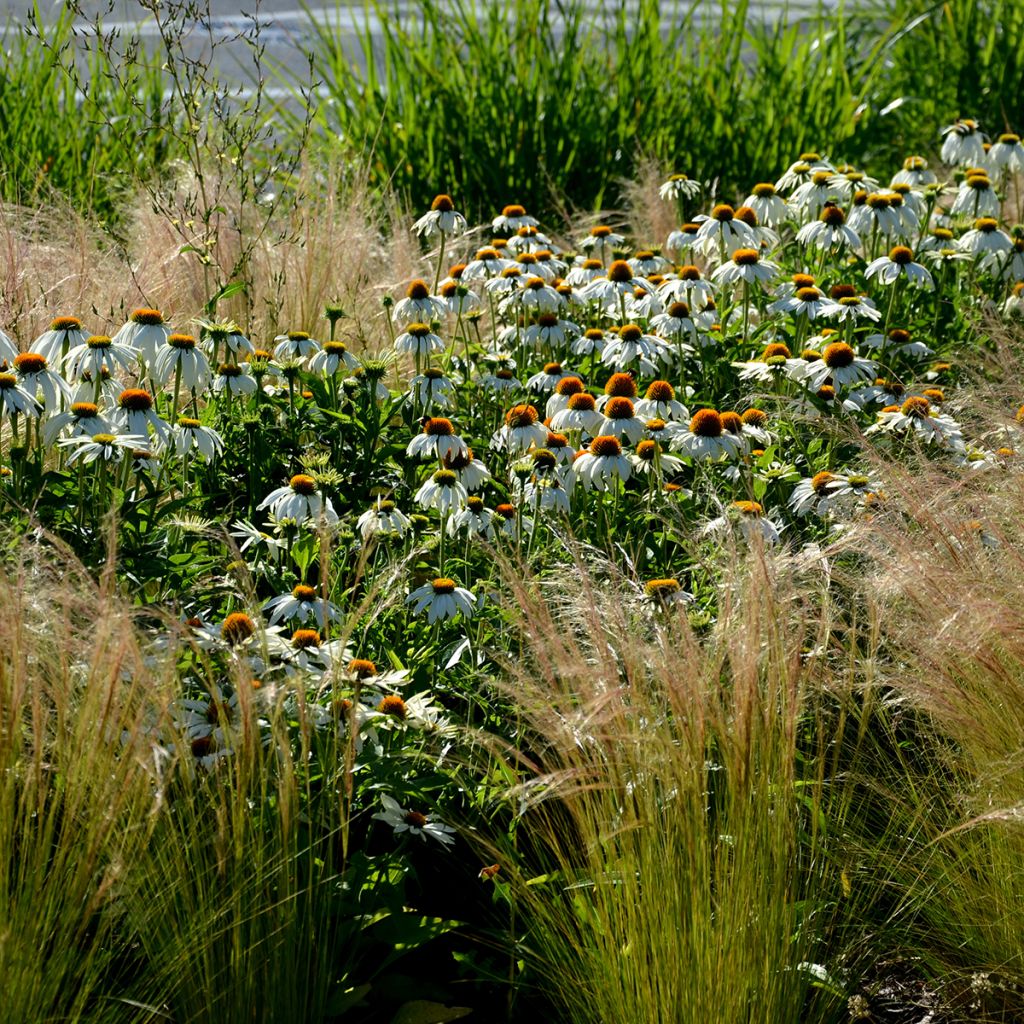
(802, 170)
(532, 267)
(442, 599)
(233, 379)
(83, 418)
(333, 357)
(437, 441)
(590, 342)
(300, 502)
(39, 380)
(874, 213)
(550, 331)
(583, 271)
(97, 354)
(914, 173)
(228, 334)
(723, 232)
(180, 359)
(136, 415)
(643, 304)
(432, 389)
(1006, 154)
(675, 325)
(521, 431)
(1008, 266)
(145, 332)
(745, 267)
(689, 287)
(916, 415)
(502, 381)
(822, 492)
(619, 420)
(487, 263)
(418, 340)
(602, 464)
(295, 345)
(899, 264)
(548, 378)
(474, 520)
(383, 517)
(650, 458)
(775, 362)
(536, 296)
(853, 307)
(771, 209)
(840, 364)
(848, 181)
(190, 433)
(413, 822)
(15, 400)
(601, 237)
(528, 239)
(631, 344)
(807, 302)
(682, 241)
(442, 219)
(679, 186)
(646, 262)
(963, 144)
(659, 402)
(610, 290)
(302, 603)
(985, 239)
(442, 491)
(8, 349)
(511, 219)
(706, 438)
(976, 198)
(108, 447)
(811, 195)
(472, 473)
(459, 299)
(897, 343)
(419, 306)
(65, 333)
(749, 518)
(578, 415)
(829, 231)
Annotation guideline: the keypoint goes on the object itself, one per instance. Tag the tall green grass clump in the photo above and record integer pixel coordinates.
(550, 103)
(78, 135)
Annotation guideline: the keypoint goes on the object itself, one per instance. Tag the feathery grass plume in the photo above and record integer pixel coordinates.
(81, 776)
(674, 854)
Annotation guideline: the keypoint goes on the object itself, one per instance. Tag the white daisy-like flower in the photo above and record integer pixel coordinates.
(65, 333)
(302, 603)
(707, 438)
(419, 306)
(536, 296)
(511, 219)
(963, 144)
(807, 302)
(620, 420)
(548, 378)
(442, 491)
(1006, 154)
(829, 231)
(229, 334)
(14, 399)
(679, 186)
(98, 353)
(874, 214)
(442, 599)
(855, 308)
(775, 362)
(916, 415)
(83, 418)
(646, 262)
(180, 358)
(432, 389)
(418, 340)
(771, 209)
(233, 380)
(898, 342)
(601, 237)
(295, 345)
(413, 822)
(383, 517)
(811, 195)
(801, 170)
(914, 173)
(583, 271)
(630, 345)
(190, 433)
(749, 518)
(136, 415)
(840, 364)
(474, 520)
(649, 457)
(437, 441)
(602, 464)
(976, 198)
(659, 403)
(745, 267)
(528, 239)
(300, 502)
(108, 447)
(145, 332)
(611, 290)
(40, 381)
(899, 263)
(334, 356)
(442, 219)
(487, 263)
(8, 349)
(521, 431)
(550, 332)
(251, 536)
(985, 239)
(722, 232)
(579, 415)
(688, 287)
(820, 493)
(472, 473)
